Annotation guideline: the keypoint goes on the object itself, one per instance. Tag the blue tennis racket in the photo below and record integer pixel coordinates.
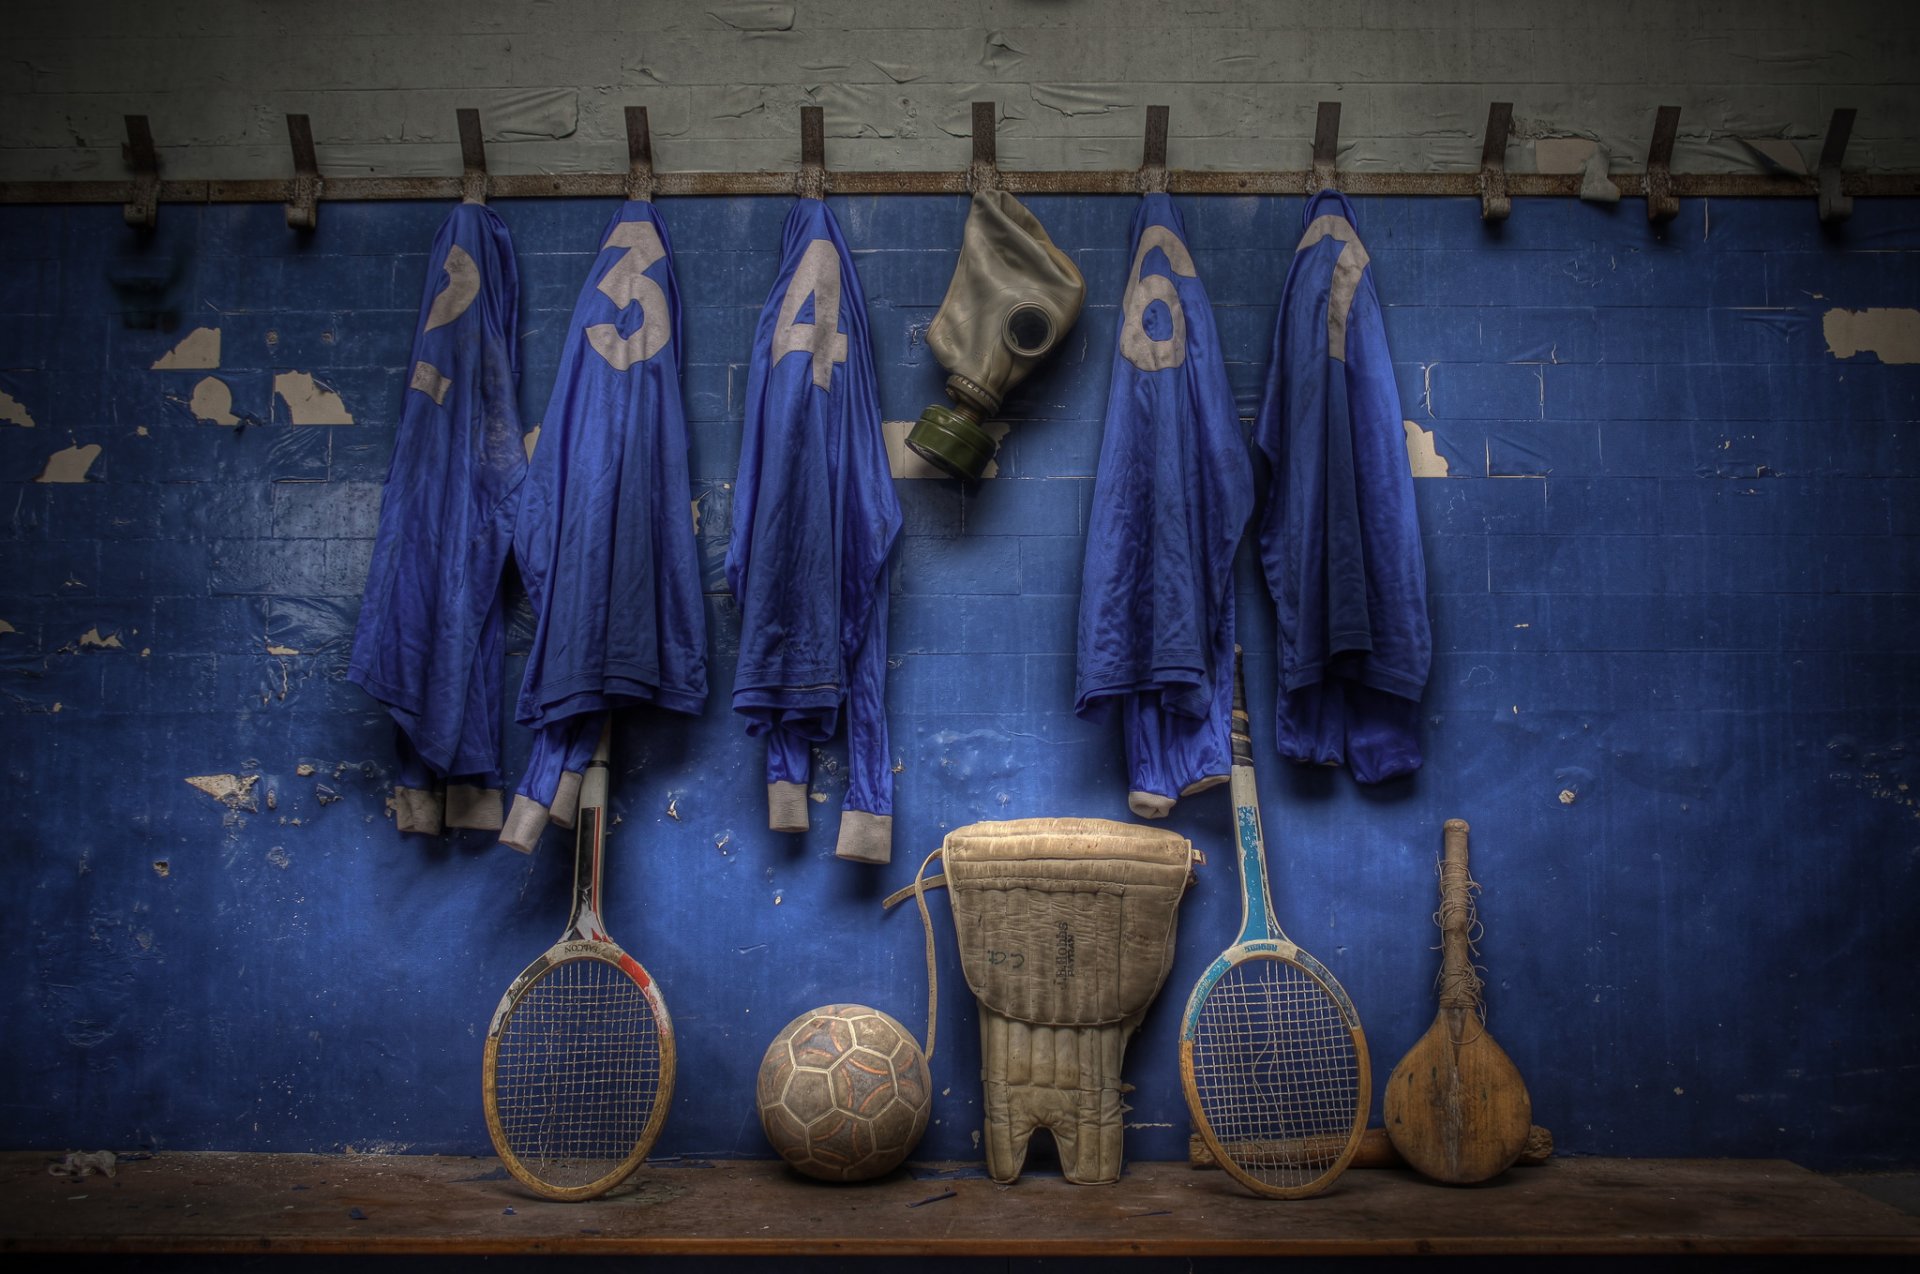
(1272, 1057)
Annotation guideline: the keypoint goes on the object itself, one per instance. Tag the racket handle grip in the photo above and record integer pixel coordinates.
(1456, 967)
(593, 784)
(1241, 730)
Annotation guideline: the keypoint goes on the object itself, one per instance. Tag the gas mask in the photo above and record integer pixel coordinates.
(1014, 296)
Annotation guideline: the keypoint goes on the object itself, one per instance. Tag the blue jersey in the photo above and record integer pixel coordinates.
(1174, 491)
(814, 520)
(605, 535)
(430, 639)
(1339, 540)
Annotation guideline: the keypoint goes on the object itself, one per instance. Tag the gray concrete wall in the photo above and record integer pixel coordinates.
(723, 80)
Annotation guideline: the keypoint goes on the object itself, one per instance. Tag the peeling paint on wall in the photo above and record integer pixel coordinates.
(752, 15)
(1426, 462)
(1893, 335)
(93, 638)
(1001, 53)
(1776, 154)
(231, 790)
(1562, 154)
(5, 627)
(70, 465)
(213, 401)
(1075, 99)
(13, 412)
(199, 349)
(310, 402)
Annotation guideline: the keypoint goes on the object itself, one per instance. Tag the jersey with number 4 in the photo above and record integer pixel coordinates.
(814, 520)
(431, 636)
(1174, 490)
(606, 525)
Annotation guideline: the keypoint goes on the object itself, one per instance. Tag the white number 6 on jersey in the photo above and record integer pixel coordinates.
(1142, 350)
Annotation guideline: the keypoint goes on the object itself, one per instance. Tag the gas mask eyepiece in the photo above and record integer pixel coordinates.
(1014, 295)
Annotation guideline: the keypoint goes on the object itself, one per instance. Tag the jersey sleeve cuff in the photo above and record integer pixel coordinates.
(1149, 804)
(525, 821)
(864, 837)
(566, 799)
(787, 807)
(475, 807)
(416, 809)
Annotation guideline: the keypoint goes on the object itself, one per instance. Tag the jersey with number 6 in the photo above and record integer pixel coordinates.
(431, 636)
(814, 520)
(606, 525)
(1174, 491)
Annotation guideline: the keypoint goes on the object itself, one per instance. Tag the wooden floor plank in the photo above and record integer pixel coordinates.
(227, 1203)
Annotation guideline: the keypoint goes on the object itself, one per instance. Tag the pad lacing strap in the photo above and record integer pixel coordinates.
(919, 889)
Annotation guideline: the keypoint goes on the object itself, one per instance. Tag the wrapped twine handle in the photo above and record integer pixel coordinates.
(1459, 980)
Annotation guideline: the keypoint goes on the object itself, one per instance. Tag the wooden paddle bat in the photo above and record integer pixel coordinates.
(1456, 1108)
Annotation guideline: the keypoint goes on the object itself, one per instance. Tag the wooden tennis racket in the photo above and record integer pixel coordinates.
(580, 1059)
(1271, 1053)
(1456, 1108)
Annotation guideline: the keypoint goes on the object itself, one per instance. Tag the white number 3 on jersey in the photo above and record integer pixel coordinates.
(625, 282)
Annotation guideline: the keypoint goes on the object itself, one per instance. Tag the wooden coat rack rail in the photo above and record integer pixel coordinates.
(1831, 188)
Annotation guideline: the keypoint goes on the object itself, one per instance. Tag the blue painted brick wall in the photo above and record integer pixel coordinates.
(1674, 576)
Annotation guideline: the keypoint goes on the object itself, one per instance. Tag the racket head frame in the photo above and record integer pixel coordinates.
(1332, 1150)
(585, 938)
(556, 958)
(1261, 938)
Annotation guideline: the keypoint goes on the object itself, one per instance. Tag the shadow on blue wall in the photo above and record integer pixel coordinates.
(1675, 593)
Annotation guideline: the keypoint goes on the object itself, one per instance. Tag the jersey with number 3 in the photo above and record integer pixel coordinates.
(430, 640)
(1173, 494)
(814, 521)
(606, 535)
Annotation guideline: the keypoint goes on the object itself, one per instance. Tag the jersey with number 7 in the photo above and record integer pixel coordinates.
(814, 520)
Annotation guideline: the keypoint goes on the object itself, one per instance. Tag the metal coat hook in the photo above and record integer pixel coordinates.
(812, 183)
(1662, 203)
(1326, 149)
(984, 172)
(143, 209)
(303, 192)
(1835, 203)
(473, 158)
(1153, 152)
(640, 181)
(1494, 202)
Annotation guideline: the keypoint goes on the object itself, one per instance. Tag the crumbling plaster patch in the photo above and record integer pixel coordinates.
(1892, 334)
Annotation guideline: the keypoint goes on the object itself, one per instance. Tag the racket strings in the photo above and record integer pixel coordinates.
(1276, 1072)
(577, 1072)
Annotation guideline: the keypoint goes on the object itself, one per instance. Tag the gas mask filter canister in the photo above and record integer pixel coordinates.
(1013, 297)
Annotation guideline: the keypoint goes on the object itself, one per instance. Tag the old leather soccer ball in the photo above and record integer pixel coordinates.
(844, 1093)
